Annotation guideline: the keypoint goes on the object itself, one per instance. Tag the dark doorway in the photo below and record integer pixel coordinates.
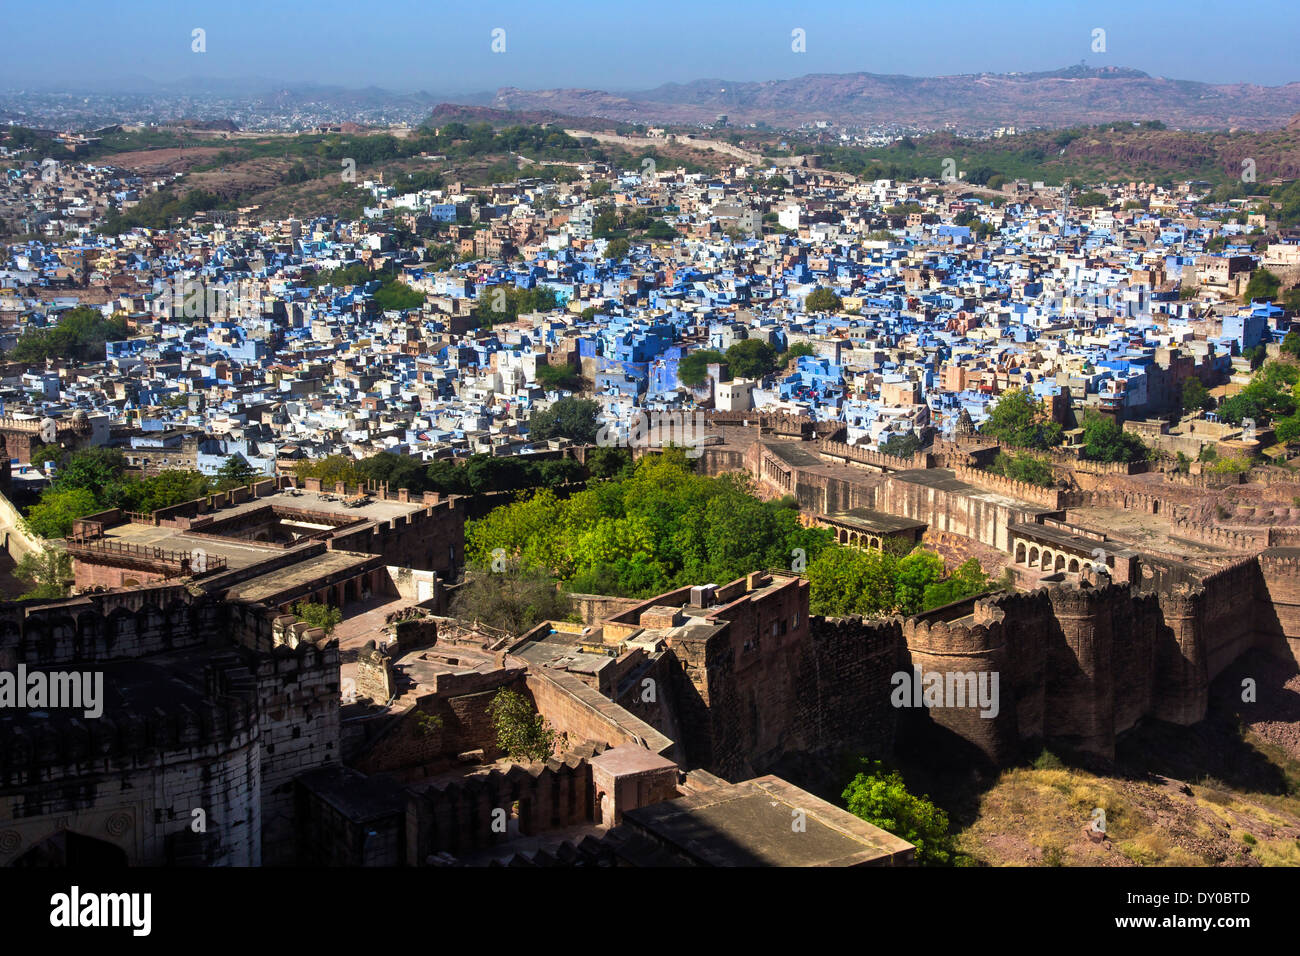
(68, 849)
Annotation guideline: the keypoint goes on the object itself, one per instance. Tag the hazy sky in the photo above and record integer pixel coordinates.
(616, 44)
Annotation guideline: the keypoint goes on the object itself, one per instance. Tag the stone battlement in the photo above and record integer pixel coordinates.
(870, 456)
(1022, 490)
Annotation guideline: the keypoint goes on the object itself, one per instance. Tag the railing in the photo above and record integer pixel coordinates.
(197, 561)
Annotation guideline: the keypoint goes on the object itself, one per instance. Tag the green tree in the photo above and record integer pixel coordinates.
(234, 473)
(1269, 396)
(880, 797)
(846, 581)
(693, 369)
(914, 575)
(323, 616)
(1263, 286)
(1195, 395)
(903, 446)
(167, 488)
(617, 249)
(1103, 440)
(658, 527)
(751, 358)
(79, 335)
(823, 299)
(505, 303)
(53, 515)
(97, 470)
(513, 599)
(968, 580)
(521, 732)
(1021, 420)
(796, 351)
(45, 573)
(394, 295)
(399, 471)
(1027, 468)
(659, 229)
(329, 470)
(608, 462)
(446, 477)
(1291, 341)
(557, 377)
(572, 418)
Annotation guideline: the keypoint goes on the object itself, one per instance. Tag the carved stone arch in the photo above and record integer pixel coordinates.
(90, 636)
(1074, 564)
(1020, 552)
(1060, 563)
(150, 616)
(68, 848)
(121, 623)
(62, 628)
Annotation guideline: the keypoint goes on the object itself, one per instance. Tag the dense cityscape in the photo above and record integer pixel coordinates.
(555, 478)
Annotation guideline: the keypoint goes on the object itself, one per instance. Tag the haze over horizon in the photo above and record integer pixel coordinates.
(409, 45)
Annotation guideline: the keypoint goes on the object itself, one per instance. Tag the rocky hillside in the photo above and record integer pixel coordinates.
(1076, 95)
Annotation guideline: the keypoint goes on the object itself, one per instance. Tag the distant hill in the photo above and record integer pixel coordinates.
(466, 113)
(1110, 152)
(1059, 98)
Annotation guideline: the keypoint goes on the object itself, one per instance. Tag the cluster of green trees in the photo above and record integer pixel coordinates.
(510, 597)
(571, 418)
(1019, 419)
(822, 299)
(478, 474)
(522, 733)
(1104, 440)
(1269, 395)
(558, 377)
(324, 153)
(392, 295)
(505, 303)
(79, 335)
(659, 526)
(159, 211)
(45, 574)
(1023, 466)
(846, 581)
(880, 796)
(1265, 286)
(95, 479)
(395, 295)
(1273, 395)
(356, 273)
(901, 446)
(748, 358)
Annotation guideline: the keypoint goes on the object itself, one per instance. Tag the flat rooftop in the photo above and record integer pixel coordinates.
(371, 509)
(945, 479)
(319, 566)
(238, 553)
(753, 824)
(563, 651)
(877, 521)
(421, 666)
(1142, 531)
